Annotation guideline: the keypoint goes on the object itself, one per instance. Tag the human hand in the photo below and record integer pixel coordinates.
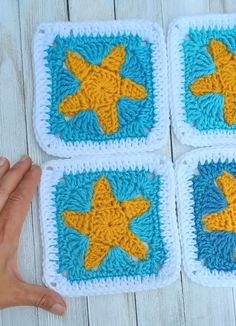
(17, 186)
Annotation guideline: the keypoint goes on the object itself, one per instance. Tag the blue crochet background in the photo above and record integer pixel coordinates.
(204, 112)
(215, 249)
(74, 192)
(136, 117)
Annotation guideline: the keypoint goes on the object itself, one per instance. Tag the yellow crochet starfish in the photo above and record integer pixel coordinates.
(224, 220)
(107, 224)
(222, 81)
(101, 86)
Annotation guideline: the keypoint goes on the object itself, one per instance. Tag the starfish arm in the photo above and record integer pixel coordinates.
(206, 84)
(230, 108)
(219, 53)
(134, 207)
(78, 221)
(108, 117)
(102, 194)
(73, 104)
(227, 184)
(129, 88)
(221, 221)
(77, 65)
(95, 254)
(115, 59)
(133, 245)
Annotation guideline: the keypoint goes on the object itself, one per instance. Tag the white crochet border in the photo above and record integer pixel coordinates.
(148, 31)
(178, 31)
(53, 171)
(186, 167)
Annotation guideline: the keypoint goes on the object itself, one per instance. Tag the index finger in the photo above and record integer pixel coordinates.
(10, 180)
(17, 205)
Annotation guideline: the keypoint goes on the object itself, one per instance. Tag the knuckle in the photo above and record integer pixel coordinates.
(16, 197)
(42, 302)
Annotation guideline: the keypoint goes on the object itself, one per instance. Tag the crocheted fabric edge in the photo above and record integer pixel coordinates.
(157, 137)
(185, 167)
(177, 31)
(53, 171)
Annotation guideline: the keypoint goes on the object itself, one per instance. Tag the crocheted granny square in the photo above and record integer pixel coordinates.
(100, 87)
(206, 193)
(202, 53)
(108, 225)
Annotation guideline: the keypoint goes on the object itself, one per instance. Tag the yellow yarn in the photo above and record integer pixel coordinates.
(222, 81)
(224, 220)
(107, 224)
(100, 88)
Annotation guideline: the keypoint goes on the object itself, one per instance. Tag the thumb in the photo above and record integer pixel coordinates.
(44, 298)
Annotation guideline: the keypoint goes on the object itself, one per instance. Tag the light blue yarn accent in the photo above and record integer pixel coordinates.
(74, 192)
(214, 249)
(136, 117)
(204, 112)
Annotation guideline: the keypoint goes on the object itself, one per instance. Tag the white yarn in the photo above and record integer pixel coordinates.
(186, 167)
(148, 31)
(178, 31)
(169, 272)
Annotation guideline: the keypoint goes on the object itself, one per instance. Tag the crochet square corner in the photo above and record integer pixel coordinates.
(202, 52)
(206, 196)
(100, 87)
(109, 225)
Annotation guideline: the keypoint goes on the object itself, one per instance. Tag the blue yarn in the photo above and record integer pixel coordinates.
(204, 112)
(136, 117)
(215, 249)
(74, 192)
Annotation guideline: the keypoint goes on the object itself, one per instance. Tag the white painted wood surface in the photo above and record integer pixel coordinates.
(182, 303)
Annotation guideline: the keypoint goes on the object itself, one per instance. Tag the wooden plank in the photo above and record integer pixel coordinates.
(13, 140)
(150, 9)
(203, 306)
(112, 309)
(163, 306)
(31, 14)
(88, 10)
(222, 6)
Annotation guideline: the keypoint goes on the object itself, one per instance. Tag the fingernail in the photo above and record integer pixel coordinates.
(58, 309)
(24, 157)
(2, 160)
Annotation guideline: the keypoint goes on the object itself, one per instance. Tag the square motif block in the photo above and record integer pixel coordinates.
(108, 225)
(206, 195)
(202, 53)
(100, 87)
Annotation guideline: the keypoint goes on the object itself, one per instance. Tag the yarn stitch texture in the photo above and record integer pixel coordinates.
(101, 67)
(224, 220)
(107, 259)
(108, 226)
(100, 87)
(203, 68)
(222, 81)
(206, 181)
